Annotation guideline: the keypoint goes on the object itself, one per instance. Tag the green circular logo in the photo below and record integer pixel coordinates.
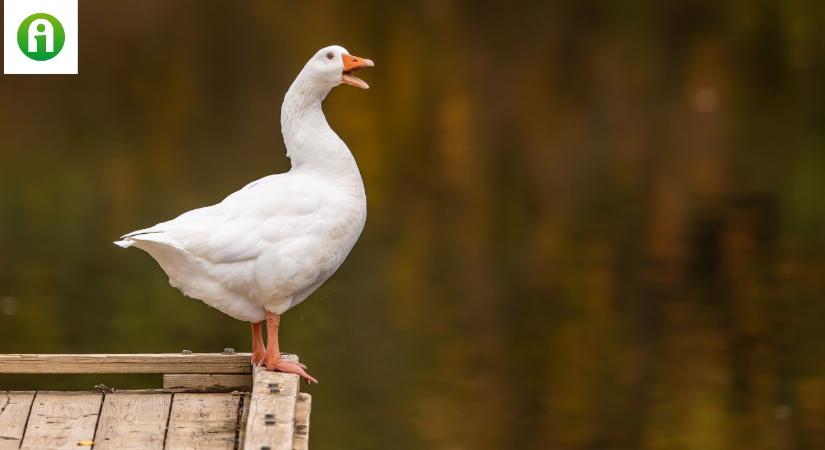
(41, 37)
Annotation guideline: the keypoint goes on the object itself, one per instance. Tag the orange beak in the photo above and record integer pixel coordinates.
(353, 64)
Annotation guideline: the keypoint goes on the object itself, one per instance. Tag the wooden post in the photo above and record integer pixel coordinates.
(302, 410)
(271, 422)
(204, 404)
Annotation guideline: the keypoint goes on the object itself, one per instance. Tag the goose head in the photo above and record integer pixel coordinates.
(334, 65)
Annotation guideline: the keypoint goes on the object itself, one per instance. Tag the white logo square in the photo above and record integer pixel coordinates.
(40, 37)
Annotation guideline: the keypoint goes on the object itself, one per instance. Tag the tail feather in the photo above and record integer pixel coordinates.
(157, 237)
(126, 243)
(127, 240)
(139, 232)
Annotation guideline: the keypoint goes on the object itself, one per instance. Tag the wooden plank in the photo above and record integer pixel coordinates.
(133, 421)
(272, 410)
(59, 420)
(14, 412)
(127, 363)
(303, 407)
(203, 421)
(247, 398)
(206, 382)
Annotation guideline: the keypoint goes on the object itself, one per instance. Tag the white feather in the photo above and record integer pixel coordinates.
(268, 246)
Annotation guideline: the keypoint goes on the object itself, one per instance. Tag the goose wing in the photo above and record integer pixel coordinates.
(240, 227)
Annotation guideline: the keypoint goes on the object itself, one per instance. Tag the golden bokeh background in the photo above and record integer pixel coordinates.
(592, 225)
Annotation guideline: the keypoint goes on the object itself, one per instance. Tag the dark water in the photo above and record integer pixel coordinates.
(592, 225)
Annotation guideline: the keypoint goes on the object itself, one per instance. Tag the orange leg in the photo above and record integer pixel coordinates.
(273, 360)
(258, 347)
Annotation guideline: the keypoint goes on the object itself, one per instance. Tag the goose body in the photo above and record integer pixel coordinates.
(268, 246)
(263, 248)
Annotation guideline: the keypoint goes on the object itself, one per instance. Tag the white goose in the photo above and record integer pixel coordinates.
(268, 246)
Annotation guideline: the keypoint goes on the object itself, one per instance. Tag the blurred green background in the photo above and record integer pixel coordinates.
(592, 225)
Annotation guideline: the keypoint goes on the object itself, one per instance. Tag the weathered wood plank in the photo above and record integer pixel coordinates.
(237, 363)
(206, 382)
(247, 399)
(59, 420)
(14, 412)
(203, 421)
(303, 407)
(133, 421)
(272, 410)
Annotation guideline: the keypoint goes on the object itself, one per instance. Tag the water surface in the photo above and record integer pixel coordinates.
(592, 225)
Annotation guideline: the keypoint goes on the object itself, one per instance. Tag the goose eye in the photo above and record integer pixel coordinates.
(330, 55)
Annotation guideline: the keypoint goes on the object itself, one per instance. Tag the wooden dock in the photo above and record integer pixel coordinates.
(208, 401)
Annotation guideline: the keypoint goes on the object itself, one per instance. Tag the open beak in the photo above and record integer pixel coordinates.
(353, 64)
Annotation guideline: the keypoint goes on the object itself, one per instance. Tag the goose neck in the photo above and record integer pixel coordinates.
(311, 144)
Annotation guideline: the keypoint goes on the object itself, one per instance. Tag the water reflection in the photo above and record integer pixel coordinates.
(592, 225)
